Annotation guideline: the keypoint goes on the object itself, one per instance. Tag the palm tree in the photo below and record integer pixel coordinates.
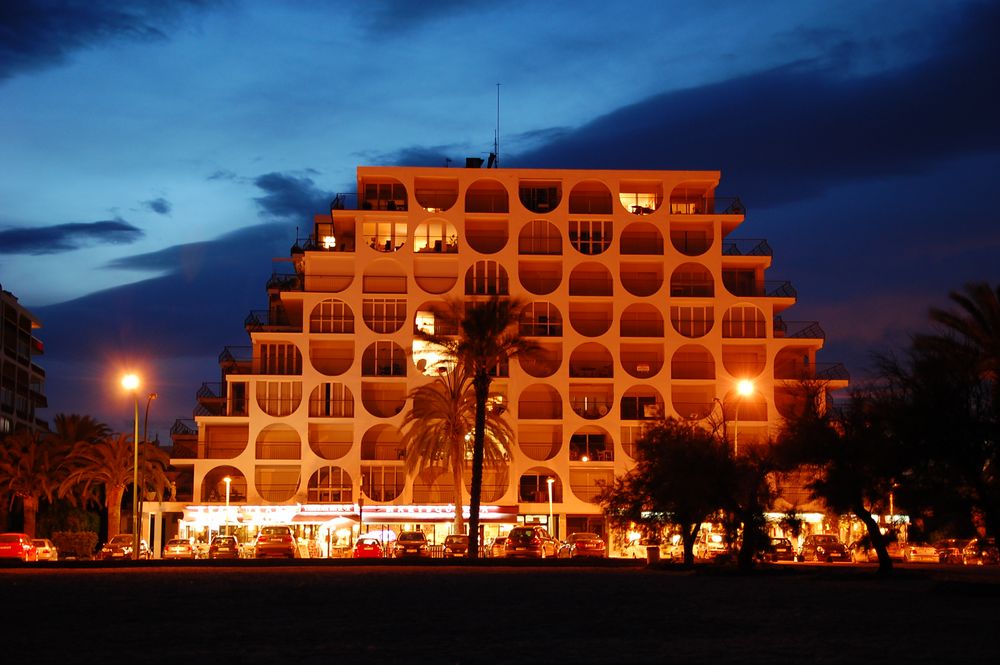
(108, 464)
(977, 327)
(74, 428)
(437, 430)
(30, 470)
(488, 337)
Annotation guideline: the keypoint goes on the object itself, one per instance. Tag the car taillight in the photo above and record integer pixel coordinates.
(261, 539)
(536, 541)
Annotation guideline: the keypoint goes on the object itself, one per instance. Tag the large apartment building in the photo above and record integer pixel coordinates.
(21, 380)
(644, 295)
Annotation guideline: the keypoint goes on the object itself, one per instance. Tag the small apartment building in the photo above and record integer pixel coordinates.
(646, 298)
(21, 380)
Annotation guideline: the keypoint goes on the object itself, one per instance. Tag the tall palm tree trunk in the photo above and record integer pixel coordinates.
(458, 481)
(482, 386)
(115, 494)
(30, 513)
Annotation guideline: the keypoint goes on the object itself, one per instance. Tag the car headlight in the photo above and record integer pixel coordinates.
(820, 549)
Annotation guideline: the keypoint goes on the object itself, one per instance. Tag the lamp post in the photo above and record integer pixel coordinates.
(145, 438)
(550, 481)
(229, 482)
(744, 389)
(130, 382)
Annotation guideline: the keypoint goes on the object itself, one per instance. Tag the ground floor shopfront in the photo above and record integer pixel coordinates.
(330, 530)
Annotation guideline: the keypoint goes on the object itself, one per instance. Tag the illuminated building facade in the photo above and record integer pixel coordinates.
(643, 296)
(21, 380)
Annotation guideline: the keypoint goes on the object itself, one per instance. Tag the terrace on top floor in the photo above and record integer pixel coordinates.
(541, 196)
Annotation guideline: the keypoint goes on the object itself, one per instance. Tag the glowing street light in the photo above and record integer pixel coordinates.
(130, 382)
(744, 389)
(228, 481)
(550, 481)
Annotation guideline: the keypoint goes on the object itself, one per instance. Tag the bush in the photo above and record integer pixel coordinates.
(75, 544)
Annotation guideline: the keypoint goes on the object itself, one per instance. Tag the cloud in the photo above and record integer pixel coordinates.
(790, 133)
(35, 34)
(174, 324)
(406, 16)
(291, 197)
(160, 206)
(67, 237)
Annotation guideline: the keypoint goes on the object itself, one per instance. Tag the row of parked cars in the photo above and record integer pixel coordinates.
(827, 547)
(523, 541)
(22, 547)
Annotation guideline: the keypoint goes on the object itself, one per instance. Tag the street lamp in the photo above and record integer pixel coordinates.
(229, 482)
(145, 438)
(744, 389)
(550, 481)
(130, 382)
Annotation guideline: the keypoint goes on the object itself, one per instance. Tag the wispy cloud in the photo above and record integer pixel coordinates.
(160, 205)
(41, 33)
(67, 237)
(291, 197)
(792, 132)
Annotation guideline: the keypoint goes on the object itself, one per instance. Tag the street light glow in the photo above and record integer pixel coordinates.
(745, 387)
(130, 382)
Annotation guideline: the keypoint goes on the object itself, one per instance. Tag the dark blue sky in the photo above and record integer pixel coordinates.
(156, 156)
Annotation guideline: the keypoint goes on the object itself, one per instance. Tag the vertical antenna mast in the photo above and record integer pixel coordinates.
(496, 139)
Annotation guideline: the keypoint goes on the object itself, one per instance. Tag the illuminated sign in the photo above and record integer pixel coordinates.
(323, 512)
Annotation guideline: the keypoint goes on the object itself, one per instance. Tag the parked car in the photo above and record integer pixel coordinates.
(823, 547)
(949, 550)
(17, 546)
(119, 548)
(530, 541)
(981, 552)
(709, 545)
(778, 549)
(276, 541)
(583, 544)
(178, 548)
(456, 546)
(496, 546)
(862, 550)
(45, 550)
(919, 552)
(411, 544)
(224, 547)
(368, 548)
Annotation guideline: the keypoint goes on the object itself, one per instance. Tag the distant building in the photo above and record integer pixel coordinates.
(21, 380)
(642, 296)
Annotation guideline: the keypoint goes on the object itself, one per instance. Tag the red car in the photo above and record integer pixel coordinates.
(17, 546)
(368, 548)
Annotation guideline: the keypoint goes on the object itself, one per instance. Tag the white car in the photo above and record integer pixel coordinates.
(45, 549)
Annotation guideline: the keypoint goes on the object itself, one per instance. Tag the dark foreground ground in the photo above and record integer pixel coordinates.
(495, 614)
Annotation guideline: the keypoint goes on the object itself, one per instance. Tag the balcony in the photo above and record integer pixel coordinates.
(798, 329)
(590, 403)
(747, 247)
(212, 399)
(590, 448)
(706, 205)
(765, 289)
(268, 321)
(285, 282)
(236, 360)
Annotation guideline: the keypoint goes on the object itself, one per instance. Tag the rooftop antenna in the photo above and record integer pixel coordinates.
(496, 137)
